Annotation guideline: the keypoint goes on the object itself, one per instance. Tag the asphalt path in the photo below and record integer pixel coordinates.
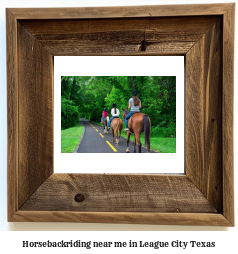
(95, 141)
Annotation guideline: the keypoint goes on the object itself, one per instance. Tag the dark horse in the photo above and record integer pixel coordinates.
(138, 123)
(116, 125)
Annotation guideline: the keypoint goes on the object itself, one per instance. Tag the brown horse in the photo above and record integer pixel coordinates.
(105, 124)
(138, 123)
(116, 125)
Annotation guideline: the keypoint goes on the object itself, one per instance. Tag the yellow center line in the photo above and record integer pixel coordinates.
(96, 130)
(111, 147)
(101, 135)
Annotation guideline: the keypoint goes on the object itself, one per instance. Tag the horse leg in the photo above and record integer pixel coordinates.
(119, 133)
(116, 132)
(134, 144)
(116, 136)
(128, 140)
(137, 137)
(147, 130)
(112, 135)
(117, 139)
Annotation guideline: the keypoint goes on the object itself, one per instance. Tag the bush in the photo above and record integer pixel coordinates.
(162, 131)
(69, 113)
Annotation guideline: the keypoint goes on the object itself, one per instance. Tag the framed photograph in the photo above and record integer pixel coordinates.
(160, 85)
(202, 195)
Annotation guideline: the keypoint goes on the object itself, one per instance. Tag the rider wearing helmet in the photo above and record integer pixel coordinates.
(104, 114)
(134, 105)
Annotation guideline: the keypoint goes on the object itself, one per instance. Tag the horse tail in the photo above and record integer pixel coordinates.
(117, 127)
(147, 128)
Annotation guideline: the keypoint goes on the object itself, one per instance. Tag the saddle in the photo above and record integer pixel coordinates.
(135, 112)
(105, 118)
(132, 115)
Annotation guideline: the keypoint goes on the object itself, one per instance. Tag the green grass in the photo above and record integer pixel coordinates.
(161, 145)
(70, 138)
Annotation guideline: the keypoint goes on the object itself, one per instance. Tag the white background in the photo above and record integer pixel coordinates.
(226, 241)
(120, 66)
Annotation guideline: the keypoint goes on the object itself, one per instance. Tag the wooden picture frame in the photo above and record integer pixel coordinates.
(204, 34)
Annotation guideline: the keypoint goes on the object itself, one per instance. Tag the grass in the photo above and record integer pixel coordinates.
(70, 138)
(158, 144)
(163, 145)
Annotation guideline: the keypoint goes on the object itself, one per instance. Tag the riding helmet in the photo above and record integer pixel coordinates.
(105, 109)
(134, 93)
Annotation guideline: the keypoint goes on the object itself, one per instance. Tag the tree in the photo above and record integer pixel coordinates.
(91, 94)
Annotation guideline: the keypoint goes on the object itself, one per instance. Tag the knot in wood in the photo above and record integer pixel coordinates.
(79, 198)
(143, 45)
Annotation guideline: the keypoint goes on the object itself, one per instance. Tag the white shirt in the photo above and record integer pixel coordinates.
(113, 113)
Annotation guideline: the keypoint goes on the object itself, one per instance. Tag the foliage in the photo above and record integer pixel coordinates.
(69, 113)
(162, 131)
(91, 94)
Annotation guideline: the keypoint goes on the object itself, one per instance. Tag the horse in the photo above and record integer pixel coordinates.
(116, 126)
(138, 123)
(105, 124)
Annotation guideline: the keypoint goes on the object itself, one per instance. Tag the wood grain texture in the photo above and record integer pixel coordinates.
(203, 115)
(115, 49)
(204, 196)
(192, 219)
(35, 114)
(174, 36)
(12, 114)
(117, 193)
(190, 26)
(227, 113)
(121, 12)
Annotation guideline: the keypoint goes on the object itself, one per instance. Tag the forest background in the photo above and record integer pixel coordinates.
(87, 96)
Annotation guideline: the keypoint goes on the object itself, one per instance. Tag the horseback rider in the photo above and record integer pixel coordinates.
(134, 105)
(104, 114)
(114, 112)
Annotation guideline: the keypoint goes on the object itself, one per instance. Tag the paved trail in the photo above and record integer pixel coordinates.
(95, 141)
